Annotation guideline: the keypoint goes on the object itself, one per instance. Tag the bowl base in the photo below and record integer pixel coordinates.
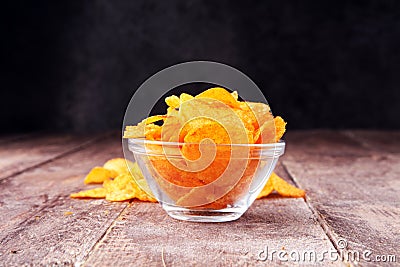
(193, 215)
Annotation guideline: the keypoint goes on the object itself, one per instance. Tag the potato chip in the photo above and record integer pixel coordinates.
(136, 131)
(285, 189)
(124, 188)
(261, 111)
(211, 197)
(248, 120)
(119, 189)
(220, 94)
(119, 165)
(282, 187)
(153, 132)
(155, 118)
(199, 128)
(99, 174)
(235, 95)
(280, 128)
(149, 131)
(268, 188)
(172, 101)
(265, 133)
(185, 97)
(91, 193)
(140, 180)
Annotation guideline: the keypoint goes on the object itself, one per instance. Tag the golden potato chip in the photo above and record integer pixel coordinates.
(265, 132)
(153, 132)
(140, 180)
(99, 174)
(119, 189)
(248, 120)
(150, 131)
(136, 131)
(119, 165)
(155, 118)
(220, 94)
(268, 188)
(285, 189)
(201, 110)
(91, 193)
(124, 188)
(172, 101)
(261, 111)
(185, 97)
(235, 95)
(282, 187)
(280, 127)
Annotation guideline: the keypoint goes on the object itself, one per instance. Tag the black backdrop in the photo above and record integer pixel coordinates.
(73, 65)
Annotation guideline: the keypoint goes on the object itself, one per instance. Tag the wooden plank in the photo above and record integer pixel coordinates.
(5, 138)
(383, 141)
(20, 154)
(144, 235)
(321, 143)
(354, 189)
(35, 221)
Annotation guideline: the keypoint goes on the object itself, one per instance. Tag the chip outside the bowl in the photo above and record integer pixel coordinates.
(99, 174)
(283, 188)
(91, 193)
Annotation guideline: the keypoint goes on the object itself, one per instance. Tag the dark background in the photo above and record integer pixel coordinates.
(74, 65)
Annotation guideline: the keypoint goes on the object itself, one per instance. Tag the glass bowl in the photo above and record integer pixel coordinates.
(205, 182)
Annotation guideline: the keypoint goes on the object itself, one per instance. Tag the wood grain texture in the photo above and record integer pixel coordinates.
(5, 138)
(383, 141)
(144, 232)
(353, 187)
(144, 235)
(351, 178)
(19, 154)
(40, 224)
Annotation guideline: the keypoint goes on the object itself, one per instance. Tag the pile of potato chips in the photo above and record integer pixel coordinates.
(185, 120)
(120, 185)
(227, 118)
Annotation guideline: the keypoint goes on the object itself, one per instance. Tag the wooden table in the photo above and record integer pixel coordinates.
(352, 179)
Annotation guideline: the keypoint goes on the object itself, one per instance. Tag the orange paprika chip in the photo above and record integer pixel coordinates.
(220, 94)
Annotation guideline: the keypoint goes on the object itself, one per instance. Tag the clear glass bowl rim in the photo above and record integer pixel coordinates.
(138, 145)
